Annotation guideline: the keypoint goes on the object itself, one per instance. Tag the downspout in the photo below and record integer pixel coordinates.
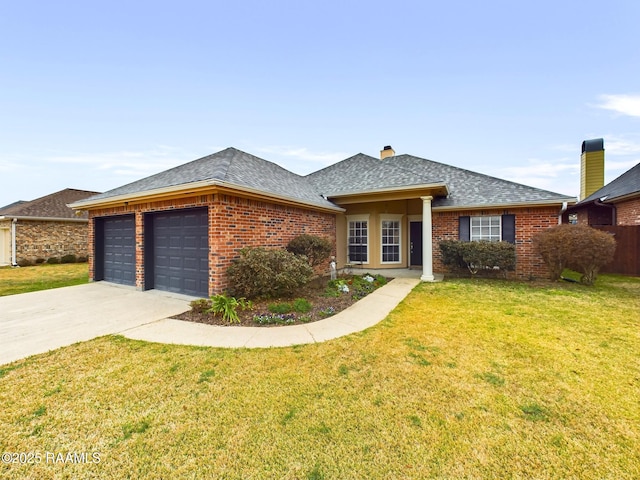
(14, 259)
(562, 210)
(612, 207)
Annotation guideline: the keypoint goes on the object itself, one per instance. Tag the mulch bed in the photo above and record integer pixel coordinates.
(314, 292)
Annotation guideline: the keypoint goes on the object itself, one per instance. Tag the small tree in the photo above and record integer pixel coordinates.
(316, 249)
(577, 247)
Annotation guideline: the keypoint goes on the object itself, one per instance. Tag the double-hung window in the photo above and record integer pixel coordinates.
(358, 238)
(486, 228)
(390, 229)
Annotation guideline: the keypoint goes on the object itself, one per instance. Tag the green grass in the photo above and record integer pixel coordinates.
(41, 277)
(465, 379)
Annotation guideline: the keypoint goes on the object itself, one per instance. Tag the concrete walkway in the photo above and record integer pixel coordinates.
(33, 323)
(361, 315)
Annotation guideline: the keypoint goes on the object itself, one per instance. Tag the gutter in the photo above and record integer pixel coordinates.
(403, 188)
(195, 188)
(533, 203)
(45, 219)
(14, 257)
(565, 205)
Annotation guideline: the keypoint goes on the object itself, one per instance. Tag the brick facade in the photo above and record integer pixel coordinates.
(529, 264)
(628, 212)
(234, 223)
(42, 240)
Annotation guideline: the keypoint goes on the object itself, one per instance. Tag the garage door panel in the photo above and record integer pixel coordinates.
(181, 251)
(119, 249)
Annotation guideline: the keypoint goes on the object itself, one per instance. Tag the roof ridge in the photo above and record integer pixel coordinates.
(474, 173)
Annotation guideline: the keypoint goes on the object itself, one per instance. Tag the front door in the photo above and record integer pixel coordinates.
(415, 246)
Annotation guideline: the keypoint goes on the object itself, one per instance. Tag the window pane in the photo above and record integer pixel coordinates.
(357, 247)
(486, 228)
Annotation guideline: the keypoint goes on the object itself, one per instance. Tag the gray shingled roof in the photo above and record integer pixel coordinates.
(626, 184)
(466, 188)
(49, 206)
(234, 167)
(360, 173)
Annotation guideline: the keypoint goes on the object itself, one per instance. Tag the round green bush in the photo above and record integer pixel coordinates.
(262, 272)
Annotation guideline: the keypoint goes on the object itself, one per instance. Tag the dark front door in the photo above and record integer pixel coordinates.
(415, 237)
(181, 251)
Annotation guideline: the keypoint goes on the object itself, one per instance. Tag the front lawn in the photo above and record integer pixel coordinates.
(41, 277)
(464, 379)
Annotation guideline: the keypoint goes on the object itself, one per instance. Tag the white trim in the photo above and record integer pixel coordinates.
(45, 219)
(491, 206)
(393, 217)
(427, 241)
(185, 188)
(365, 217)
(5, 247)
(402, 188)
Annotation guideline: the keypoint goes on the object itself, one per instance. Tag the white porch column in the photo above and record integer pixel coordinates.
(427, 241)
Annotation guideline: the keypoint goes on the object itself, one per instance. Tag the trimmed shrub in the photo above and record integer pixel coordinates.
(53, 261)
(68, 259)
(23, 262)
(479, 256)
(261, 272)
(577, 247)
(316, 249)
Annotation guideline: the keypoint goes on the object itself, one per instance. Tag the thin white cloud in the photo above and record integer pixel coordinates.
(559, 176)
(625, 104)
(125, 163)
(300, 160)
(621, 146)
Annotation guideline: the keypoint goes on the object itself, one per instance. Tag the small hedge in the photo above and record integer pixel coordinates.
(267, 273)
(479, 256)
(577, 247)
(316, 249)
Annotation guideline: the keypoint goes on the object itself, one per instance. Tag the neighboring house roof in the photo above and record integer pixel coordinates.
(465, 188)
(49, 206)
(231, 168)
(625, 185)
(358, 174)
(11, 205)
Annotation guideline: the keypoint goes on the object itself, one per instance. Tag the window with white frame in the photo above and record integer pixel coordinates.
(390, 229)
(358, 243)
(486, 228)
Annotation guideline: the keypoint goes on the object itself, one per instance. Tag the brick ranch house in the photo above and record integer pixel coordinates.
(179, 230)
(38, 230)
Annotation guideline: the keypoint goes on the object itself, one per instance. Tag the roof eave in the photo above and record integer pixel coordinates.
(486, 206)
(194, 188)
(406, 188)
(43, 219)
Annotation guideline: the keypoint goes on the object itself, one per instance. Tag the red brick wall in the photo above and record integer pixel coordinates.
(234, 223)
(628, 213)
(237, 223)
(528, 221)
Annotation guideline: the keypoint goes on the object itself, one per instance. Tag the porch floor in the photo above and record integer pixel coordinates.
(414, 272)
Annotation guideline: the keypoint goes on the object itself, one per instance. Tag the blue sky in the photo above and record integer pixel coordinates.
(97, 94)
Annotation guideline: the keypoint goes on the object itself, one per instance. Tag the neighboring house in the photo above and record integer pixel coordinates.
(179, 230)
(616, 203)
(35, 231)
(614, 207)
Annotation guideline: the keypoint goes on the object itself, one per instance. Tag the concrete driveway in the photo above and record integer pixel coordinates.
(37, 322)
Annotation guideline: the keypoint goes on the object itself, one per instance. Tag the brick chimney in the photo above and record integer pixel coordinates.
(591, 167)
(387, 152)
